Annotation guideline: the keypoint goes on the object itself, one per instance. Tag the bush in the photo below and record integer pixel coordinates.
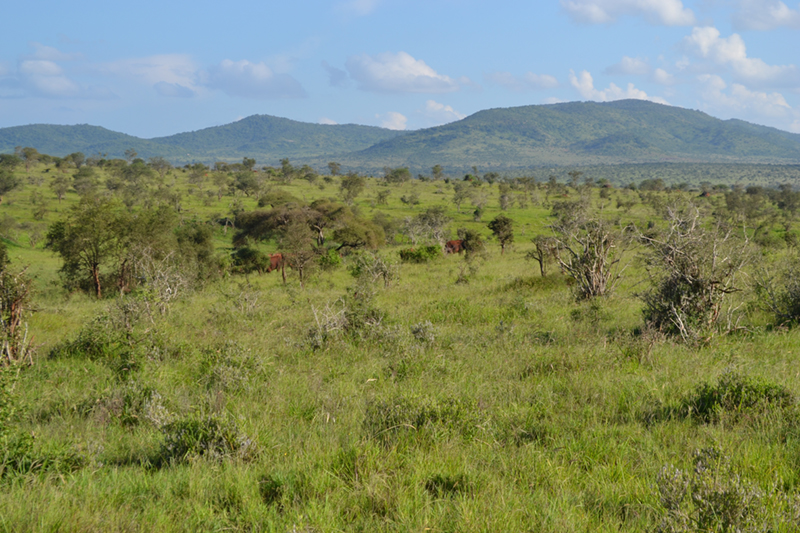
(715, 498)
(422, 254)
(735, 393)
(210, 438)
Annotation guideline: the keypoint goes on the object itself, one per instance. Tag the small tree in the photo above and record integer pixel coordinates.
(588, 250)
(544, 252)
(334, 168)
(503, 229)
(351, 187)
(461, 194)
(91, 236)
(16, 289)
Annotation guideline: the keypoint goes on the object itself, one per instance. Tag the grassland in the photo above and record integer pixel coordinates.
(499, 404)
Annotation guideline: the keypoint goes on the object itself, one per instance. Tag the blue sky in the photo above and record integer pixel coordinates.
(157, 68)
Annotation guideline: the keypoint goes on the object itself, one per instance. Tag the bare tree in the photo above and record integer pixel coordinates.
(693, 266)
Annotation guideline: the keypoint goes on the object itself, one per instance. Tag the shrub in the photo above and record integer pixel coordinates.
(735, 393)
(422, 254)
(210, 438)
(693, 269)
(715, 498)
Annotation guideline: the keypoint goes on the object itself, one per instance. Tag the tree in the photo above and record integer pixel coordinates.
(89, 238)
(588, 250)
(30, 155)
(9, 161)
(160, 165)
(335, 168)
(287, 170)
(545, 249)
(8, 182)
(351, 187)
(396, 175)
(503, 229)
(460, 194)
(437, 172)
(248, 163)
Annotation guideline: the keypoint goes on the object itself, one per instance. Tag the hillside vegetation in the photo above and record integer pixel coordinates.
(627, 361)
(512, 140)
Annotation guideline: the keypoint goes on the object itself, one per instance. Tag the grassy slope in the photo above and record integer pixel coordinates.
(560, 430)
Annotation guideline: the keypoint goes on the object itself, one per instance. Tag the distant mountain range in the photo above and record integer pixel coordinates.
(504, 140)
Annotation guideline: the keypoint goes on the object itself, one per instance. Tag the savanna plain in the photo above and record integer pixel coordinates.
(604, 358)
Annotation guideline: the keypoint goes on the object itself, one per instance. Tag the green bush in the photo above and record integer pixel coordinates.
(210, 438)
(422, 254)
(735, 393)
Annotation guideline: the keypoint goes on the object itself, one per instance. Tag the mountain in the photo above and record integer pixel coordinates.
(581, 133)
(267, 139)
(505, 140)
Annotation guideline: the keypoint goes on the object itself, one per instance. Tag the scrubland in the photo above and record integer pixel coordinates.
(468, 394)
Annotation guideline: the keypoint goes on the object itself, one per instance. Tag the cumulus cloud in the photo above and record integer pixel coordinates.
(168, 74)
(765, 15)
(326, 120)
(393, 120)
(731, 52)
(584, 84)
(253, 80)
(666, 12)
(436, 113)
(397, 73)
(630, 66)
(742, 100)
(526, 82)
(336, 76)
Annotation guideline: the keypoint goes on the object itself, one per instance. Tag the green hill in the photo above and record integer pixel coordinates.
(582, 133)
(511, 140)
(269, 139)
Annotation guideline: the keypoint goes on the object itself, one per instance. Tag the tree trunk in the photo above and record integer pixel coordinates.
(96, 277)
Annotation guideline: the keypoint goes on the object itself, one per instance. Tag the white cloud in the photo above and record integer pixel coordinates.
(46, 78)
(731, 52)
(584, 84)
(666, 12)
(765, 15)
(176, 70)
(740, 99)
(630, 66)
(51, 54)
(326, 120)
(437, 113)
(393, 120)
(662, 77)
(359, 8)
(526, 82)
(253, 80)
(794, 127)
(397, 73)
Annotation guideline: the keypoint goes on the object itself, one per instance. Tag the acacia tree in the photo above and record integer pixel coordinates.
(91, 236)
(352, 185)
(503, 229)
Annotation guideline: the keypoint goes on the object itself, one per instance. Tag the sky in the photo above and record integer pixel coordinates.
(156, 68)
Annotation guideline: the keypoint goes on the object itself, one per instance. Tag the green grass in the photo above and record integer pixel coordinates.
(496, 405)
